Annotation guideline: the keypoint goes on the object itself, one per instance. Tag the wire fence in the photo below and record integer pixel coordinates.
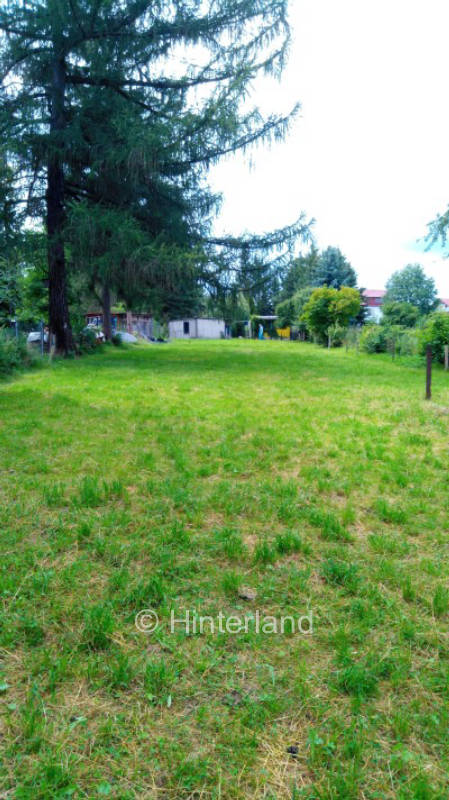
(34, 331)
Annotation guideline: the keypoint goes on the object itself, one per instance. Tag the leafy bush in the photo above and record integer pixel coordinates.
(86, 340)
(374, 339)
(409, 343)
(117, 340)
(435, 333)
(389, 339)
(336, 335)
(13, 354)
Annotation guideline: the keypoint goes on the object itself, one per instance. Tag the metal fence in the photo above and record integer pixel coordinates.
(33, 331)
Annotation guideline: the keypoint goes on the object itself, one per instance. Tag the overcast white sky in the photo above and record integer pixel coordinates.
(369, 156)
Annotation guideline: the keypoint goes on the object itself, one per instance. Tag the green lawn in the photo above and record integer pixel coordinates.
(168, 478)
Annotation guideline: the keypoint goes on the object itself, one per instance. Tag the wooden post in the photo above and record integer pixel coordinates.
(446, 357)
(429, 372)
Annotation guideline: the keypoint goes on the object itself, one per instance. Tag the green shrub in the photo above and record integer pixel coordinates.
(14, 354)
(435, 333)
(408, 344)
(373, 339)
(117, 340)
(86, 341)
(386, 338)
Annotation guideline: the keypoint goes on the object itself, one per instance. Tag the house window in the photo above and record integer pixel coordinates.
(186, 328)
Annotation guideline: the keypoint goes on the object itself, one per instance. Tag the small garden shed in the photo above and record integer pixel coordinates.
(196, 328)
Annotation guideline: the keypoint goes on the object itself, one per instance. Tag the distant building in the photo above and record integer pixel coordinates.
(196, 328)
(373, 299)
(444, 304)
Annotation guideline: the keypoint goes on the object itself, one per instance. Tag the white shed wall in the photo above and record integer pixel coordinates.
(210, 328)
(198, 329)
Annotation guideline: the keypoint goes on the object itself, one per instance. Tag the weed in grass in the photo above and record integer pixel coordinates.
(58, 668)
(420, 788)
(33, 720)
(231, 543)
(145, 594)
(387, 543)
(321, 750)
(40, 582)
(114, 490)
(401, 724)
(388, 571)
(234, 547)
(84, 533)
(359, 680)
(298, 581)
(230, 583)
(179, 536)
(390, 513)
(257, 710)
(408, 591)
(407, 630)
(99, 547)
(90, 494)
(159, 679)
(48, 780)
(341, 573)
(120, 671)
(440, 602)
(331, 528)
(98, 627)
(54, 495)
(119, 582)
(32, 632)
(264, 553)
(366, 613)
(348, 516)
(290, 542)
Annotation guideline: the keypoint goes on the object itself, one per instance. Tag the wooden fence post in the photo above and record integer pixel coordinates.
(446, 357)
(428, 372)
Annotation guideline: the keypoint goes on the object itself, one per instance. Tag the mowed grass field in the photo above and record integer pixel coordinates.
(169, 478)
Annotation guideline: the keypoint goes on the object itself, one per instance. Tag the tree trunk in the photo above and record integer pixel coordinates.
(106, 307)
(58, 305)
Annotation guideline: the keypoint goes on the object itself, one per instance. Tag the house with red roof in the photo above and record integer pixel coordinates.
(373, 299)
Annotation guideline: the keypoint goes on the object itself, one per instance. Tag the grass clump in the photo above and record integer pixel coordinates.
(331, 530)
(90, 494)
(159, 679)
(289, 542)
(341, 573)
(98, 628)
(440, 603)
(264, 553)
